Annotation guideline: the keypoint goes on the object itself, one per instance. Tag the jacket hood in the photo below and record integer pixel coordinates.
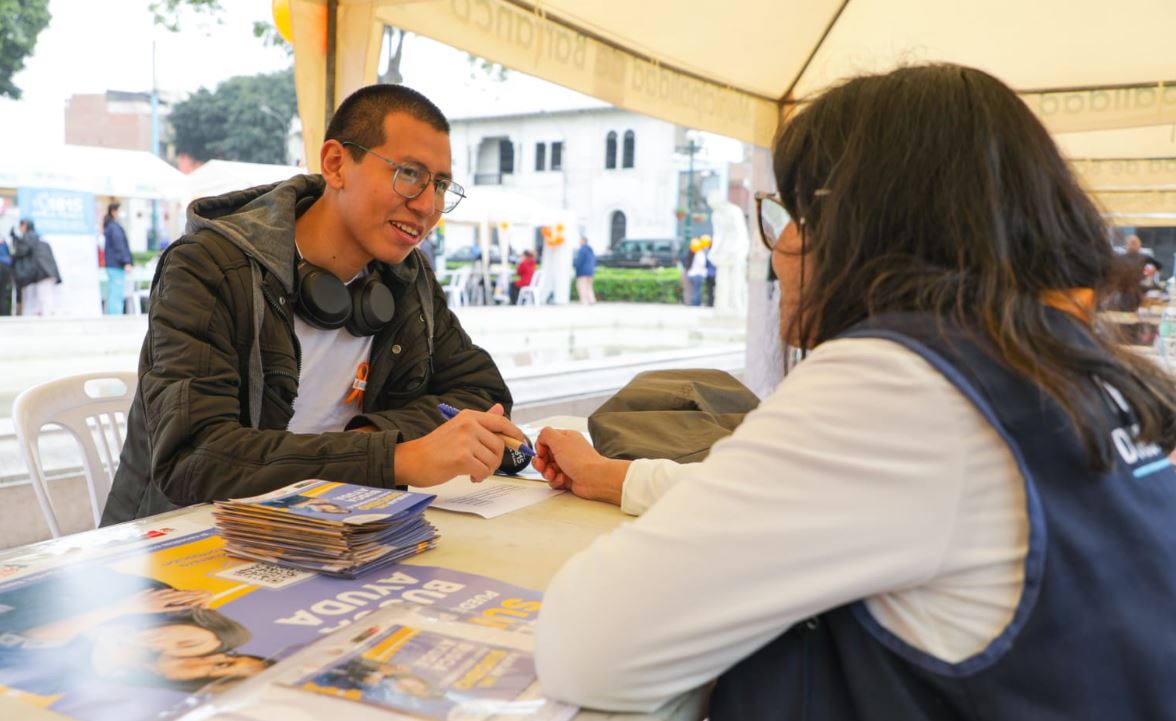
(260, 221)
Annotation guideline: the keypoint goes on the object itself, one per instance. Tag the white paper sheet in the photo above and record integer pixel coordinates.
(490, 498)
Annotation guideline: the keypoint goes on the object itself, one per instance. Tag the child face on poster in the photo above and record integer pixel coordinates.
(180, 640)
(211, 667)
(315, 504)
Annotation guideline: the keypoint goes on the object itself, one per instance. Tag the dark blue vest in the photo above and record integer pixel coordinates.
(1094, 633)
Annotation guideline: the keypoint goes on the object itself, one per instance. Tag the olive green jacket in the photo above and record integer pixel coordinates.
(220, 366)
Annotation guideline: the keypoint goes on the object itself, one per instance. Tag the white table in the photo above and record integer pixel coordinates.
(525, 547)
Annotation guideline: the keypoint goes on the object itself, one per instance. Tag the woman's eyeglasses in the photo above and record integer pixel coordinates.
(772, 218)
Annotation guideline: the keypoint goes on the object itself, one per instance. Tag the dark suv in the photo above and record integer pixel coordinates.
(643, 253)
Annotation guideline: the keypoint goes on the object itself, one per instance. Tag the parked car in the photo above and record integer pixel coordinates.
(470, 253)
(643, 253)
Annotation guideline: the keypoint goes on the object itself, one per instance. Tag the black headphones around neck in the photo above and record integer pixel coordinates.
(325, 302)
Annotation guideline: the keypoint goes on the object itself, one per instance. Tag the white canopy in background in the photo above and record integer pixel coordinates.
(516, 215)
(101, 171)
(222, 176)
(736, 67)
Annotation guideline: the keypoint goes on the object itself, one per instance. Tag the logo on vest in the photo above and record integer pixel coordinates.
(1126, 439)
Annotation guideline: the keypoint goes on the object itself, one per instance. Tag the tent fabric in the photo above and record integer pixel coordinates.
(1100, 75)
(102, 171)
(728, 67)
(222, 176)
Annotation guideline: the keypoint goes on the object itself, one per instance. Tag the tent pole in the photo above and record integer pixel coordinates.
(332, 23)
(816, 48)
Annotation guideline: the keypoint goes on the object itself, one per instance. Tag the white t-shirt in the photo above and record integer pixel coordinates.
(865, 475)
(330, 360)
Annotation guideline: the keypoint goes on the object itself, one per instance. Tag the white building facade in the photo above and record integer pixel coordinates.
(616, 171)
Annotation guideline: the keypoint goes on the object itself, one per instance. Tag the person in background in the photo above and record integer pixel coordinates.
(5, 278)
(118, 261)
(585, 267)
(35, 270)
(526, 271)
(1150, 278)
(708, 296)
(958, 499)
(696, 270)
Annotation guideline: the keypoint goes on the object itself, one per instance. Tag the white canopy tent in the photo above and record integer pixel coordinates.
(516, 216)
(222, 176)
(68, 183)
(101, 171)
(737, 67)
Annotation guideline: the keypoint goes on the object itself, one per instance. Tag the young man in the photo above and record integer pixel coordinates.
(257, 358)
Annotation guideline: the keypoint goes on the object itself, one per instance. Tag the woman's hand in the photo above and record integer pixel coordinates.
(467, 444)
(568, 462)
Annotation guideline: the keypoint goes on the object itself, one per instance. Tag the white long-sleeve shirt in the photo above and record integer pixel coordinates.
(866, 475)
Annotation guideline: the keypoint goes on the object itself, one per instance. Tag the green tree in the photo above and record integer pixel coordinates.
(245, 118)
(167, 12)
(21, 21)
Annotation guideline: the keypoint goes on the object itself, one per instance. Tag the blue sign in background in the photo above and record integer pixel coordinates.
(62, 212)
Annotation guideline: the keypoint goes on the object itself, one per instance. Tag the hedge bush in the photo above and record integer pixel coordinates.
(143, 257)
(636, 285)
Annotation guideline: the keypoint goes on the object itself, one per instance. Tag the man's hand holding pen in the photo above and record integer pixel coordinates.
(471, 443)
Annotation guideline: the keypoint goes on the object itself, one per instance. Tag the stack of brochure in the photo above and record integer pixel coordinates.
(335, 528)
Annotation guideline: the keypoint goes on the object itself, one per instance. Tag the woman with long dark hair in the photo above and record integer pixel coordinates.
(958, 506)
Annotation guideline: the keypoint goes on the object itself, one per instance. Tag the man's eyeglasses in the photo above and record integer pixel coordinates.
(411, 179)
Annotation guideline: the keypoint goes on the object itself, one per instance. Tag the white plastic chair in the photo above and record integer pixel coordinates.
(530, 292)
(93, 408)
(456, 289)
(138, 287)
(131, 296)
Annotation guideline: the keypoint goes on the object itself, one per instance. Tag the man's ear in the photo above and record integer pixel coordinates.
(331, 161)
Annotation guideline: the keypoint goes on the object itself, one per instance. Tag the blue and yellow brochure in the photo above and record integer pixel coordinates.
(430, 670)
(168, 620)
(336, 528)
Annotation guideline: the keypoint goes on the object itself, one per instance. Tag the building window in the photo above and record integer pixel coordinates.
(616, 228)
(540, 156)
(629, 149)
(557, 155)
(487, 168)
(505, 157)
(610, 151)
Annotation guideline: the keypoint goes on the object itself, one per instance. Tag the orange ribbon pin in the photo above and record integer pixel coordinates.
(358, 386)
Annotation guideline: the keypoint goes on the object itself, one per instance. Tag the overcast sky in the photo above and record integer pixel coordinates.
(91, 46)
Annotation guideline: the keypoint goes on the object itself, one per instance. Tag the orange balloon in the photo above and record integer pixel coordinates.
(281, 9)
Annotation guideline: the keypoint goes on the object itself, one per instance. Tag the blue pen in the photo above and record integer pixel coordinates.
(449, 412)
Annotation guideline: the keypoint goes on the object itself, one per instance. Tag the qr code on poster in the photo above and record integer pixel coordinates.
(266, 575)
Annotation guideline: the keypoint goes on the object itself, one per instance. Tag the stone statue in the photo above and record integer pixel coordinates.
(729, 248)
